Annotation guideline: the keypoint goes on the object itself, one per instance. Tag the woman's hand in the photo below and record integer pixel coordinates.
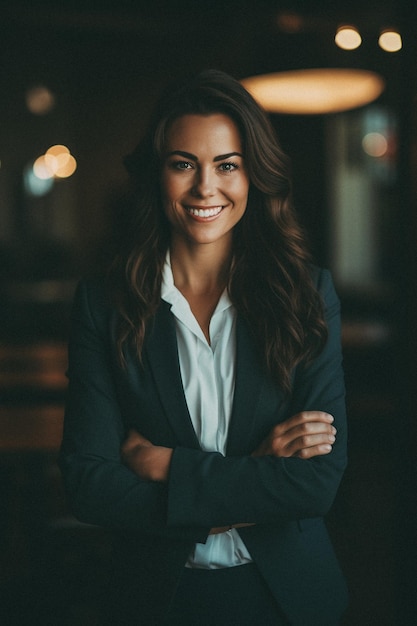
(304, 435)
(147, 461)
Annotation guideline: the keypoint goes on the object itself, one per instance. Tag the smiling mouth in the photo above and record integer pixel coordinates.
(209, 212)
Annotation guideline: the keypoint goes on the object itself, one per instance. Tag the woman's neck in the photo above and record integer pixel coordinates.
(200, 269)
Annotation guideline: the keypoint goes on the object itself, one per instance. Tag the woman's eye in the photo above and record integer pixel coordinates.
(228, 167)
(181, 165)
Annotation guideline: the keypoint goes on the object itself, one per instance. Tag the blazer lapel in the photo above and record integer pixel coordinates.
(248, 385)
(252, 387)
(161, 349)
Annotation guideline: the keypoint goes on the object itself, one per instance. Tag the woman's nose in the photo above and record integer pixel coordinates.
(204, 184)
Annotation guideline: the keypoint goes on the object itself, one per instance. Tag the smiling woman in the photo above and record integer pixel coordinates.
(205, 421)
(205, 196)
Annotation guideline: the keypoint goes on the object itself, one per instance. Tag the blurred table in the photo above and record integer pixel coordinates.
(32, 393)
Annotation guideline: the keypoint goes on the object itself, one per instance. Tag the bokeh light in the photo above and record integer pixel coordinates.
(375, 144)
(33, 184)
(390, 41)
(348, 38)
(40, 100)
(57, 162)
(67, 167)
(41, 168)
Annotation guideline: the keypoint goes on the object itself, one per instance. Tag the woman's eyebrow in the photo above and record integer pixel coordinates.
(193, 157)
(221, 157)
(186, 155)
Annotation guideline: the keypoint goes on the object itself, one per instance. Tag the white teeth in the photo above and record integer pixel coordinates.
(205, 212)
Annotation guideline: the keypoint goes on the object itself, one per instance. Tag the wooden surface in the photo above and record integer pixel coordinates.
(32, 390)
(31, 427)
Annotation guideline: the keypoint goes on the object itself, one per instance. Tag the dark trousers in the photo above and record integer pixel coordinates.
(224, 597)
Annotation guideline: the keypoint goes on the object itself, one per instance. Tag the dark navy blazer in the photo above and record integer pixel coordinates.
(157, 524)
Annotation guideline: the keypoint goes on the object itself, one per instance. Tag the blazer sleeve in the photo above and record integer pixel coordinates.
(212, 489)
(101, 490)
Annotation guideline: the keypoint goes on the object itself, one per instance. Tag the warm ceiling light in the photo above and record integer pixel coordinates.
(57, 158)
(390, 41)
(57, 150)
(40, 100)
(315, 91)
(348, 38)
(41, 168)
(290, 22)
(57, 162)
(67, 168)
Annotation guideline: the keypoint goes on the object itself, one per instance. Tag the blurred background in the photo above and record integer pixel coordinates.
(78, 81)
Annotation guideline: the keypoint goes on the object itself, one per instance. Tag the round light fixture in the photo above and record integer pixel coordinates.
(348, 38)
(315, 91)
(390, 41)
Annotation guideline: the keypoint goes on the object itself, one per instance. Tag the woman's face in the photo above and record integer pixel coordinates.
(204, 179)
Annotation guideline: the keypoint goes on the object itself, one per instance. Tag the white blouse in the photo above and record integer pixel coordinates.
(208, 377)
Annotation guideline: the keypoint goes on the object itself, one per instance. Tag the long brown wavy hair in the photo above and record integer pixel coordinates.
(270, 281)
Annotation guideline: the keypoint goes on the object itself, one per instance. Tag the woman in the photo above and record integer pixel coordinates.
(205, 422)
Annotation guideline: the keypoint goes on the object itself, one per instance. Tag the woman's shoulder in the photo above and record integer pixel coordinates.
(323, 282)
(321, 276)
(93, 295)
